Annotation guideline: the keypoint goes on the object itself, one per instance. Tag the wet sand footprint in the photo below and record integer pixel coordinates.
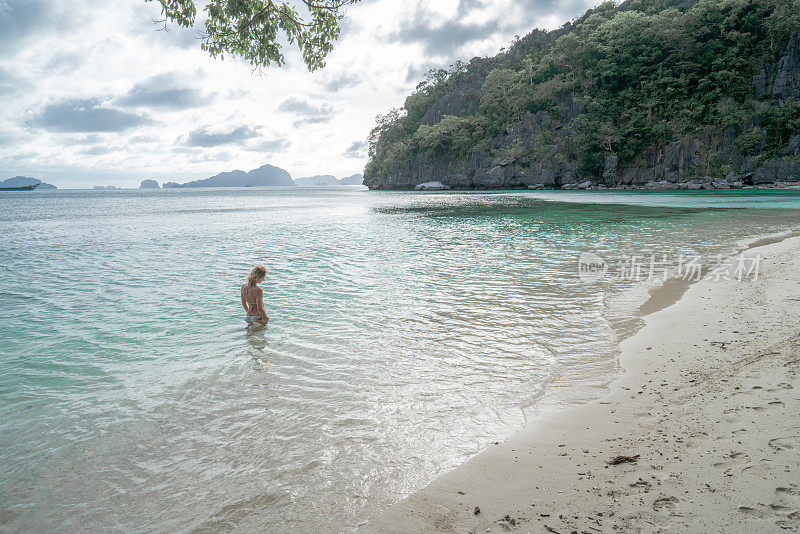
(751, 512)
(782, 385)
(761, 408)
(789, 517)
(788, 443)
(782, 490)
(739, 456)
(668, 503)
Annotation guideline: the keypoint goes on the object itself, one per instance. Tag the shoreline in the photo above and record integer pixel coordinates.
(776, 186)
(709, 415)
(657, 187)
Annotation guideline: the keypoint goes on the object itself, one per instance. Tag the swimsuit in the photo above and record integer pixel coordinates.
(250, 318)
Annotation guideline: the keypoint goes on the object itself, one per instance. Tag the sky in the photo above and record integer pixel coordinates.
(97, 92)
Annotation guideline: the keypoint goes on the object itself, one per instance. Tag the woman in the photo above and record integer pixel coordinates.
(253, 297)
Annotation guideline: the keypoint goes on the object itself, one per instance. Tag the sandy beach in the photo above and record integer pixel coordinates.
(704, 425)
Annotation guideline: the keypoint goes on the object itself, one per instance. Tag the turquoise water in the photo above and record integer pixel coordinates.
(409, 331)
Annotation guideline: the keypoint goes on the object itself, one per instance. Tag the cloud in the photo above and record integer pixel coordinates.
(63, 62)
(203, 137)
(311, 120)
(358, 149)
(148, 23)
(9, 82)
(307, 112)
(446, 38)
(271, 146)
(98, 150)
(478, 20)
(466, 6)
(416, 72)
(304, 107)
(162, 91)
(90, 139)
(143, 139)
(85, 115)
(551, 9)
(342, 81)
(22, 19)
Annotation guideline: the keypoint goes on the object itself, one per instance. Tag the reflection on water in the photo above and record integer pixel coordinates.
(257, 337)
(407, 332)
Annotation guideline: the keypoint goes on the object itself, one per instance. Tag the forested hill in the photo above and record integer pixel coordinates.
(644, 92)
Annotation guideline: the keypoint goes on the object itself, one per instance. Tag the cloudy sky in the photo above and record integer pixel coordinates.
(93, 93)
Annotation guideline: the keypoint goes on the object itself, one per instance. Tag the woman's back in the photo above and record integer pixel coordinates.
(251, 294)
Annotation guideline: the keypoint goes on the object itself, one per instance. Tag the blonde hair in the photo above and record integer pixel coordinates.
(258, 271)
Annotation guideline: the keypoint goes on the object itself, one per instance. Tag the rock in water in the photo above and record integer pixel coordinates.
(432, 186)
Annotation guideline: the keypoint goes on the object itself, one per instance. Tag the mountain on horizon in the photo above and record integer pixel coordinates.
(22, 181)
(266, 175)
(353, 179)
(329, 179)
(320, 179)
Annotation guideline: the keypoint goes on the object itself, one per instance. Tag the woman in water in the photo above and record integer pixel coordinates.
(253, 297)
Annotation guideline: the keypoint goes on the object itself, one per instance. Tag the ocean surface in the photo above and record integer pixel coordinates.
(408, 332)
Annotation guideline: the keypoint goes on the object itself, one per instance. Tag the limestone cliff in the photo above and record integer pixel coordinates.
(552, 112)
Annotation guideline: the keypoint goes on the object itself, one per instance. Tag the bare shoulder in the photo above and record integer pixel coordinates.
(259, 292)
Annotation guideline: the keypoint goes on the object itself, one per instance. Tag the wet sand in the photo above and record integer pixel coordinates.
(706, 418)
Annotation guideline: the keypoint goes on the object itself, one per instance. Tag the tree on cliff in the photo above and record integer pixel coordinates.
(250, 29)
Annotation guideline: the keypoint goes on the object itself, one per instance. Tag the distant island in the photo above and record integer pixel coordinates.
(105, 187)
(353, 179)
(320, 179)
(266, 175)
(329, 179)
(21, 181)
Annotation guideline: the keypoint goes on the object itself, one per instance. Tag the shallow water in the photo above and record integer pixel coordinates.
(409, 331)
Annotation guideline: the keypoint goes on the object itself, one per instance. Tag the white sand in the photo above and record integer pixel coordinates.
(710, 401)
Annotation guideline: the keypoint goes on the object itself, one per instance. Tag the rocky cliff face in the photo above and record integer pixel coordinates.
(787, 79)
(684, 161)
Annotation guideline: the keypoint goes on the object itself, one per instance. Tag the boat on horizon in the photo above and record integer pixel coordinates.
(21, 187)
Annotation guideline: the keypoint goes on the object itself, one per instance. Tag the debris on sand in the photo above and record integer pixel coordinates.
(622, 459)
(477, 510)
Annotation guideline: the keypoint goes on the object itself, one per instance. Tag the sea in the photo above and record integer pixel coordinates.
(408, 331)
